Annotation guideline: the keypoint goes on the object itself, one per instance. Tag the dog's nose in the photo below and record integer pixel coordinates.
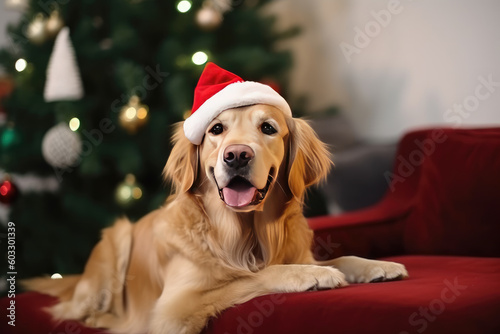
(237, 156)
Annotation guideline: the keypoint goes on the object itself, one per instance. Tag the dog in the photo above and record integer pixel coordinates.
(232, 230)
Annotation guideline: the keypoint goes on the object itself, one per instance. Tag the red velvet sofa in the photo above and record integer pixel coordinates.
(440, 217)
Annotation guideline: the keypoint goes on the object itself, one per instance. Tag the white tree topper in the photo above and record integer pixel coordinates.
(63, 76)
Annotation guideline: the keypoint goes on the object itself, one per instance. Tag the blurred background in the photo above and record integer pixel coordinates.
(89, 91)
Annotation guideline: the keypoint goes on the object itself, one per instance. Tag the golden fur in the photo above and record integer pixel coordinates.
(196, 256)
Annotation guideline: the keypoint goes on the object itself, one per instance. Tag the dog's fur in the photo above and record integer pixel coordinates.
(197, 255)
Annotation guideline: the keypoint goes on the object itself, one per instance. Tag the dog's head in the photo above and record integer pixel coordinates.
(247, 152)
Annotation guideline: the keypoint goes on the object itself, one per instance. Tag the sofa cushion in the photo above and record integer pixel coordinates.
(443, 295)
(457, 206)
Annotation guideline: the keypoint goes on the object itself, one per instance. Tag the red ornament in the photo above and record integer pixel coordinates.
(8, 192)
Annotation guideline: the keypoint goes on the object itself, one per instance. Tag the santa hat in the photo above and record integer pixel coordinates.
(219, 90)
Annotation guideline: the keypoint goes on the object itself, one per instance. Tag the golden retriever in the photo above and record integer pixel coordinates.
(232, 230)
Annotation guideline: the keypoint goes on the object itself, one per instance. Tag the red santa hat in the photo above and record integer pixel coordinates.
(219, 90)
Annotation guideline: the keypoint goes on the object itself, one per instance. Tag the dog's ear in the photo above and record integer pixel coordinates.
(182, 164)
(308, 158)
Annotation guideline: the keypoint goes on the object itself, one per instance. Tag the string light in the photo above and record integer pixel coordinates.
(128, 191)
(133, 115)
(136, 192)
(74, 124)
(142, 113)
(130, 113)
(125, 192)
(21, 65)
(199, 58)
(184, 6)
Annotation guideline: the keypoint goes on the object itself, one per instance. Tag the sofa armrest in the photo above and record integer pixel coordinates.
(373, 232)
(377, 231)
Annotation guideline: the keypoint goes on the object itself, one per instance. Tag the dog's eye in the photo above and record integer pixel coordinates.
(267, 129)
(217, 129)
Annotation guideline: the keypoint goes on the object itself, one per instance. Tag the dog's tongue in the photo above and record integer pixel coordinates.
(239, 195)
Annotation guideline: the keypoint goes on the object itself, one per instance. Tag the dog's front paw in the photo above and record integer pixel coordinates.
(359, 270)
(383, 271)
(373, 271)
(297, 278)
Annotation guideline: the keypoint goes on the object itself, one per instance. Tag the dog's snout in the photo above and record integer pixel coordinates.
(237, 156)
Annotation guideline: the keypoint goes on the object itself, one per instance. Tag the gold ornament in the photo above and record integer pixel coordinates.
(128, 191)
(208, 18)
(54, 23)
(36, 32)
(133, 115)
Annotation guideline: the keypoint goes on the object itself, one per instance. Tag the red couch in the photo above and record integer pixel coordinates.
(440, 217)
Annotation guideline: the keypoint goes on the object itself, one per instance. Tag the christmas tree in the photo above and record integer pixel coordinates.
(97, 87)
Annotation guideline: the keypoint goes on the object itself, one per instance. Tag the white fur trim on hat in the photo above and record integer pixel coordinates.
(235, 95)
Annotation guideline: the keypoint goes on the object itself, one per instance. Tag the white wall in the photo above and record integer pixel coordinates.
(426, 59)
